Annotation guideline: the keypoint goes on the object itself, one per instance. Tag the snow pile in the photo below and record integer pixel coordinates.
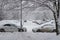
(29, 25)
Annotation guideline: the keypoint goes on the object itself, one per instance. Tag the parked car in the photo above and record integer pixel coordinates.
(11, 26)
(44, 29)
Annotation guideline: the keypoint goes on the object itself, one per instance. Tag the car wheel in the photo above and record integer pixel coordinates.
(38, 30)
(2, 30)
(54, 30)
(20, 30)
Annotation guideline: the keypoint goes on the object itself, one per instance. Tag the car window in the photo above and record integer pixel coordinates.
(7, 25)
(11, 25)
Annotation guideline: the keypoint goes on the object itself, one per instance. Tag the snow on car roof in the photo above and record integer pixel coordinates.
(16, 22)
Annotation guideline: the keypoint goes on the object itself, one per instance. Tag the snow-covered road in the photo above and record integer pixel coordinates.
(29, 36)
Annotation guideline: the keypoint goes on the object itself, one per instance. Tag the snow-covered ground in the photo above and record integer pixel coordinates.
(29, 36)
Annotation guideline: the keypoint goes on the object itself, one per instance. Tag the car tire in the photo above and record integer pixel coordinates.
(22, 30)
(2, 30)
(54, 30)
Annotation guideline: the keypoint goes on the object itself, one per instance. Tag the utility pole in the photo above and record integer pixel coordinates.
(21, 17)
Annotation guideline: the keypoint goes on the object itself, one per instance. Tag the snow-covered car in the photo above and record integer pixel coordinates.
(46, 27)
(11, 26)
